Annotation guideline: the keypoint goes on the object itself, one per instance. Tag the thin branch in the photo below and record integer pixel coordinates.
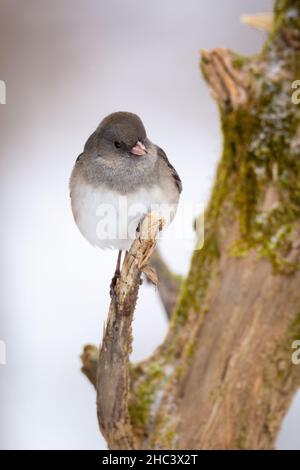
(89, 359)
(228, 84)
(168, 288)
(112, 381)
(261, 21)
(168, 285)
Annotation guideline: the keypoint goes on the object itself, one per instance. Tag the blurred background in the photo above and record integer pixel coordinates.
(66, 64)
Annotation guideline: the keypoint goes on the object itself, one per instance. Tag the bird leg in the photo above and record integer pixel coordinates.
(116, 275)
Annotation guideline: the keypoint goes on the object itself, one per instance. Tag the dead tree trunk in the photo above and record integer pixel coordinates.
(223, 378)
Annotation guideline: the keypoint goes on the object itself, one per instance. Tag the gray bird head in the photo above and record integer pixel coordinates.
(119, 135)
(119, 154)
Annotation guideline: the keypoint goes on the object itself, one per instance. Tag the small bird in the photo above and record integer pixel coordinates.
(118, 178)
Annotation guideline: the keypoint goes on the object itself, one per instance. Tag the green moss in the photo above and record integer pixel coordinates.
(295, 328)
(240, 249)
(239, 61)
(180, 372)
(169, 439)
(260, 155)
(144, 395)
(190, 350)
(140, 410)
(261, 152)
(194, 288)
(165, 432)
(241, 440)
(286, 15)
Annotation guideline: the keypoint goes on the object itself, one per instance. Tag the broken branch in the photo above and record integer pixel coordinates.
(112, 380)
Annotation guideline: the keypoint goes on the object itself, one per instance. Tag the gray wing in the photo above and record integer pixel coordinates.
(77, 160)
(174, 173)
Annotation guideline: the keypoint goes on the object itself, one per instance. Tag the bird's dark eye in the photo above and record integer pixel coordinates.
(117, 144)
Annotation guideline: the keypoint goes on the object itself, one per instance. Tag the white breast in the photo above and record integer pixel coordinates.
(109, 220)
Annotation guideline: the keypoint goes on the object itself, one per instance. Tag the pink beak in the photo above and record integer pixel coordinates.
(138, 149)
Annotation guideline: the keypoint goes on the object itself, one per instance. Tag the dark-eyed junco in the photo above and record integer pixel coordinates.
(120, 176)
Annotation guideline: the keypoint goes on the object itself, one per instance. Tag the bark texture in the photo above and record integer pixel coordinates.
(223, 377)
(112, 375)
(169, 284)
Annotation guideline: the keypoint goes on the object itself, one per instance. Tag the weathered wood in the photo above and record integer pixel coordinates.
(112, 380)
(223, 377)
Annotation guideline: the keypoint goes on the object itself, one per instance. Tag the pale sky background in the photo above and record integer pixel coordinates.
(66, 64)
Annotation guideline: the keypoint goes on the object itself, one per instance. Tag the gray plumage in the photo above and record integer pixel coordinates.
(119, 159)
